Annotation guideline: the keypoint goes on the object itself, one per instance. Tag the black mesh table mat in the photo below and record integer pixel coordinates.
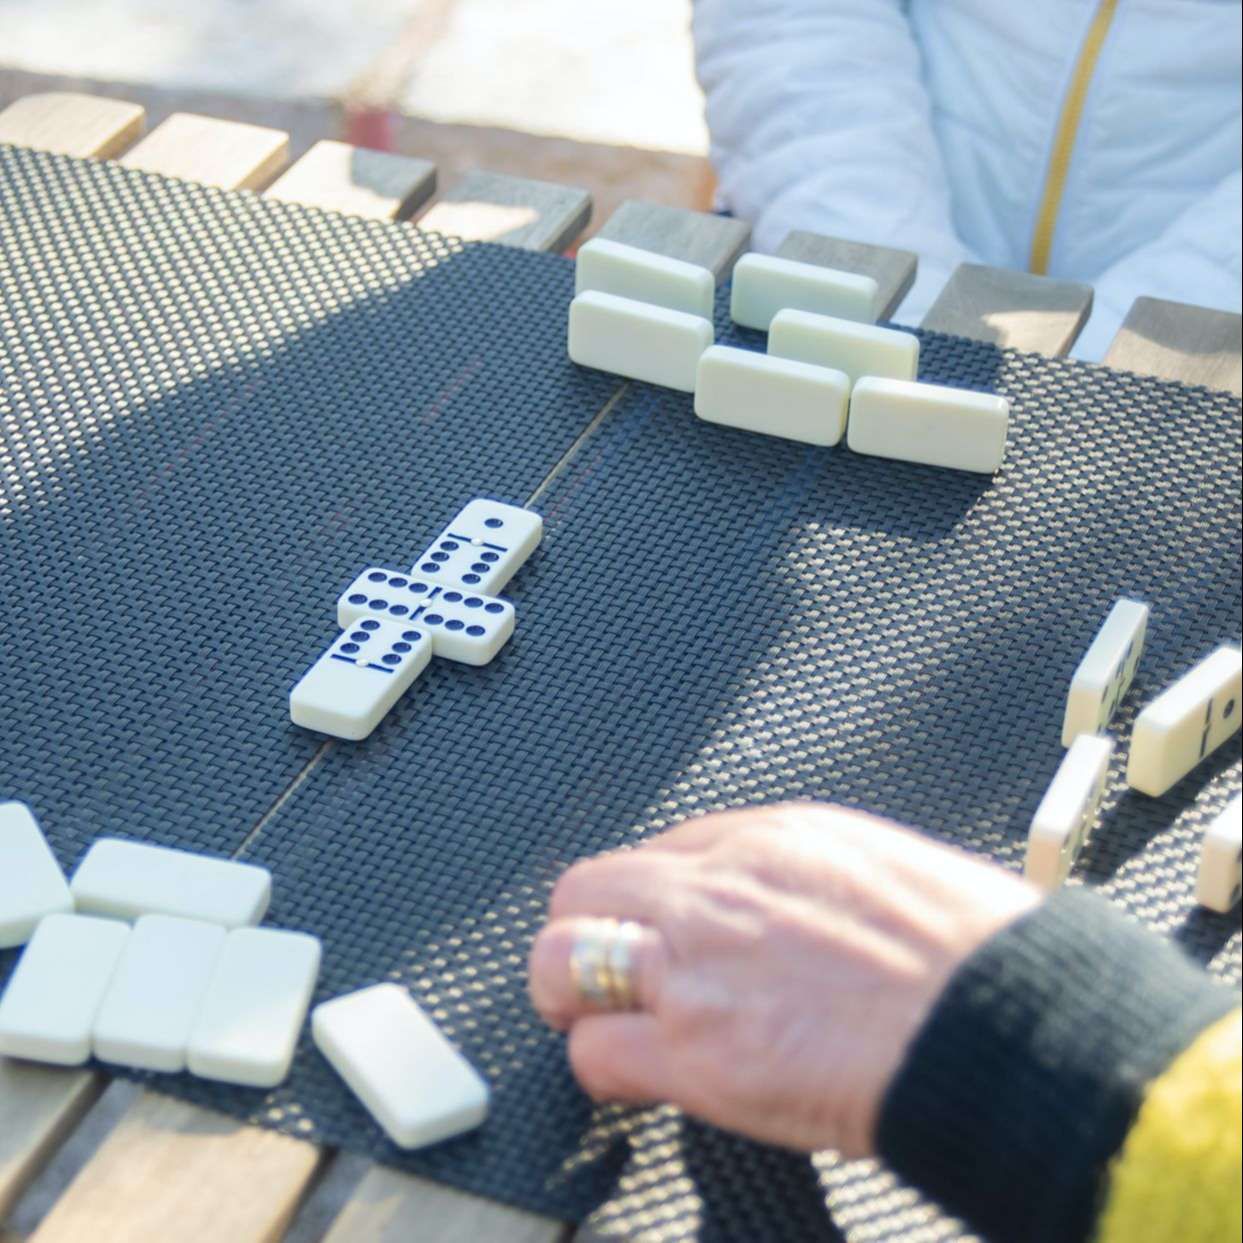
(714, 619)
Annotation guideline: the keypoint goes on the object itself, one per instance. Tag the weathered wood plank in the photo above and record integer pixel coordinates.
(72, 124)
(1016, 309)
(1180, 342)
(893, 270)
(172, 1171)
(356, 181)
(391, 1207)
(494, 207)
(217, 153)
(39, 1106)
(714, 242)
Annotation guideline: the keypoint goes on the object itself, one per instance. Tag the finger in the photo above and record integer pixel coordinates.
(550, 978)
(621, 1057)
(626, 884)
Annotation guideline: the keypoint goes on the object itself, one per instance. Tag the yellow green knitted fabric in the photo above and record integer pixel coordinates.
(1178, 1174)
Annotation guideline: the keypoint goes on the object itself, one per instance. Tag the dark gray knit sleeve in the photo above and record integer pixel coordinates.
(1024, 1080)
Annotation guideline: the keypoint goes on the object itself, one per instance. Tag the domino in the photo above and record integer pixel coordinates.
(465, 626)
(636, 340)
(247, 1027)
(156, 991)
(394, 1059)
(927, 423)
(857, 349)
(1106, 671)
(776, 396)
(31, 882)
(126, 880)
(49, 1007)
(763, 285)
(1220, 878)
(628, 272)
(349, 690)
(1186, 722)
(483, 547)
(1060, 826)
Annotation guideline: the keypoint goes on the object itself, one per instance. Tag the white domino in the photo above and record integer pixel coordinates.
(1061, 823)
(1106, 671)
(857, 349)
(1221, 860)
(629, 272)
(157, 989)
(349, 690)
(483, 547)
(256, 1001)
(31, 882)
(48, 1010)
(762, 285)
(464, 625)
(637, 340)
(125, 880)
(395, 1060)
(1186, 722)
(776, 396)
(927, 423)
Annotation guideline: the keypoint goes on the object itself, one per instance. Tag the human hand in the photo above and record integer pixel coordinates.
(789, 954)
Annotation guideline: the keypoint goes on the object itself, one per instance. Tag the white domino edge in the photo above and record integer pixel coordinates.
(1186, 722)
(1221, 860)
(762, 285)
(774, 396)
(636, 340)
(927, 423)
(1061, 823)
(256, 1002)
(1105, 673)
(395, 1060)
(31, 882)
(159, 984)
(857, 349)
(48, 1011)
(483, 546)
(125, 880)
(629, 272)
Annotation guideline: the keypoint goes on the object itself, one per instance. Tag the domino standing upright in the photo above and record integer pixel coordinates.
(1106, 672)
(1060, 826)
(1220, 876)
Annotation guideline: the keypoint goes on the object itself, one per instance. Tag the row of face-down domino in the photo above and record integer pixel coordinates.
(150, 959)
(829, 371)
(392, 622)
(1179, 728)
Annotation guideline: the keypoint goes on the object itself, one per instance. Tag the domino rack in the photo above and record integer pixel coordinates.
(169, 1170)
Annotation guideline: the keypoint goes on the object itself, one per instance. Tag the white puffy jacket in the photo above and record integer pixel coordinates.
(1096, 140)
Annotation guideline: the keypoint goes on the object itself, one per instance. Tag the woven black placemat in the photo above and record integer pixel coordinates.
(715, 619)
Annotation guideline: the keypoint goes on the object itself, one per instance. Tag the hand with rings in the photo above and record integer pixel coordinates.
(763, 969)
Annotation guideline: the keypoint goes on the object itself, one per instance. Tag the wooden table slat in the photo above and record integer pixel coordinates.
(1177, 341)
(713, 242)
(172, 1171)
(495, 207)
(71, 124)
(356, 181)
(216, 153)
(1016, 309)
(39, 1106)
(893, 270)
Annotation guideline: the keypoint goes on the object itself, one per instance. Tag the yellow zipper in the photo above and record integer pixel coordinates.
(1065, 134)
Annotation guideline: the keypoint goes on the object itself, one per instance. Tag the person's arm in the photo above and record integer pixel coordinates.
(820, 120)
(1196, 259)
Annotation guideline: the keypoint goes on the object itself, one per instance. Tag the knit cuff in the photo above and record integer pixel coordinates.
(1023, 1081)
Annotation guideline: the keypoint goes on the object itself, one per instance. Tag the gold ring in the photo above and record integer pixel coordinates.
(602, 964)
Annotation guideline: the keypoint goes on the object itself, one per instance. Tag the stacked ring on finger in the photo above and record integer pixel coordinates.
(602, 964)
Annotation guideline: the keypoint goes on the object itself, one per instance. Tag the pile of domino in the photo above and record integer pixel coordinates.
(394, 621)
(1182, 726)
(152, 959)
(829, 370)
